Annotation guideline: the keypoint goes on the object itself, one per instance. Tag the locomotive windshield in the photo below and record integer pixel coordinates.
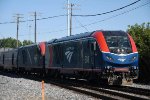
(118, 42)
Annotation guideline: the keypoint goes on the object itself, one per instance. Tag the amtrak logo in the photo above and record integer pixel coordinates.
(69, 53)
(122, 59)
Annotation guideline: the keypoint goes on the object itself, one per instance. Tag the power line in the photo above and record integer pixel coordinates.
(33, 19)
(51, 17)
(81, 24)
(105, 18)
(109, 11)
(118, 14)
(100, 20)
(61, 30)
(75, 15)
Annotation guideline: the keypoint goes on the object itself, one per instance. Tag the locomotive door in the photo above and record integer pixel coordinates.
(92, 47)
(88, 54)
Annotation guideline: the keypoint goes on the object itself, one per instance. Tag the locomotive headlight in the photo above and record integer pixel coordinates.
(109, 58)
(109, 67)
(134, 67)
(133, 58)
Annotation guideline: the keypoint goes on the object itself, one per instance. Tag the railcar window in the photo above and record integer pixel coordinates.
(57, 49)
(12, 59)
(24, 54)
(36, 55)
(3, 58)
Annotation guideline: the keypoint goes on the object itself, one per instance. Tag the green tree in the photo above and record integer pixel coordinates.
(141, 36)
(11, 43)
(27, 42)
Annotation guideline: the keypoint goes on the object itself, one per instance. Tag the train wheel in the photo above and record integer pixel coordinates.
(110, 81)
(114, 80)
(127, 81)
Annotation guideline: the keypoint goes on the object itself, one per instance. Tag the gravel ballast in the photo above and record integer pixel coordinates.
(15, 88)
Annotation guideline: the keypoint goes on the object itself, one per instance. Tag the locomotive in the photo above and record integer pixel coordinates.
(100, 55)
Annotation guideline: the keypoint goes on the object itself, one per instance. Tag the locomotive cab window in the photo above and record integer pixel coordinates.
(118, 43)
(92, 45)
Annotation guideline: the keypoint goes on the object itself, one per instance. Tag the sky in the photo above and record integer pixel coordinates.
(52, 28)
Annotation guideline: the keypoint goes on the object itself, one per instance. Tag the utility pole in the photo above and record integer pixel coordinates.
(30, 32)
(35, 26)
(69, 18)
(18, 20)
(71, 5)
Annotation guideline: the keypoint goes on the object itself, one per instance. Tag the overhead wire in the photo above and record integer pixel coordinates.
(119, 14)
(108, 18)
(109, 11)
(33, 19)
(81, 24)
(76, 15)
(90, 23)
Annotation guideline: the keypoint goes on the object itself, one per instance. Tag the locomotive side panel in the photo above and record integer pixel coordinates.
(66, 56)
(72, 55)
(92, 56)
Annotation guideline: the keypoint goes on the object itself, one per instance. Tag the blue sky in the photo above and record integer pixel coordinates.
(56, 27)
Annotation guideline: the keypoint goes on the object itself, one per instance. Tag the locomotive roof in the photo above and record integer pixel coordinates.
(114, 33)
(84, 35)
(77, 36)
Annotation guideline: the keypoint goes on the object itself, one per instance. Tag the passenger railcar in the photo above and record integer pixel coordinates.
(8, 59)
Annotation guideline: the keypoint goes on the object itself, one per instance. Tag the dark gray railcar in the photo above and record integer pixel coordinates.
(30, 58)
(1, 60)
(8, 59)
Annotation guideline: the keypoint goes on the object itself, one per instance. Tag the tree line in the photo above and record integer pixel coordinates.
(12, 43)
(141, 36)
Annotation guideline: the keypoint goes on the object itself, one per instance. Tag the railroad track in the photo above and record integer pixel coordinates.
(135, 90)
(96, 90)
(104, 92)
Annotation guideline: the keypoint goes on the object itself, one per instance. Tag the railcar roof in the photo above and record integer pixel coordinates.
(51, 41)
(29, 45)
